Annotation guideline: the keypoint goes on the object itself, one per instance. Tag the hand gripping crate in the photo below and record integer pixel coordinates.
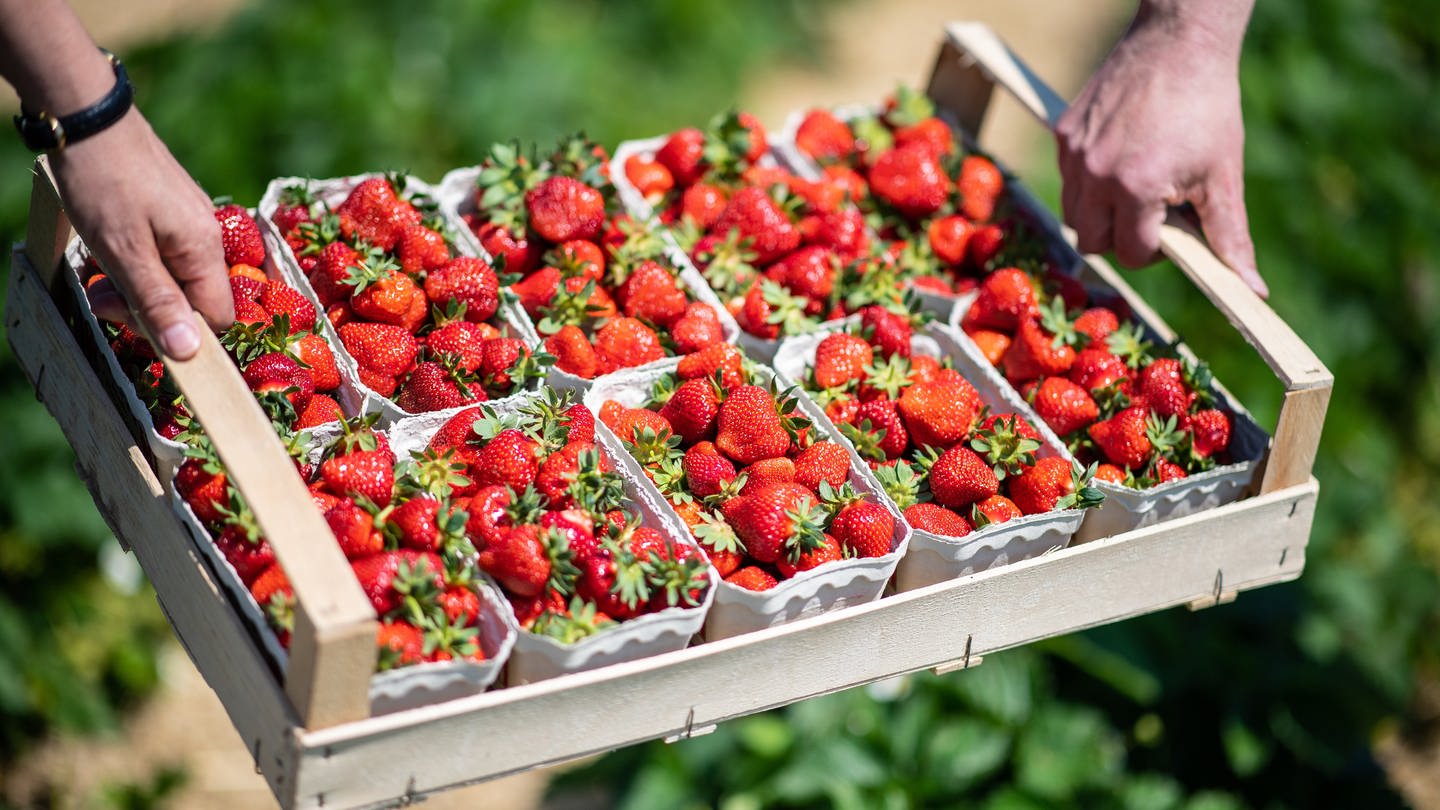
(310, 732)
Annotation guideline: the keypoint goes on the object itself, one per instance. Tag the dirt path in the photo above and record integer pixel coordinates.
(873, 45)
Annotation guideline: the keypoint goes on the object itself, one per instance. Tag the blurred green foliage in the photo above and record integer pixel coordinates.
(1271, 702)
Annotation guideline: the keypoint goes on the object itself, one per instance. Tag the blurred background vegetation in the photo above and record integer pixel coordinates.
(1291, 697)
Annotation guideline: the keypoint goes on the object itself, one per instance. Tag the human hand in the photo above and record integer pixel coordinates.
(153, 230)
(1159, 124)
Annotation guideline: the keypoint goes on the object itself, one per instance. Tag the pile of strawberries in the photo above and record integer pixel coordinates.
(275, 341)
(783, 252)
(601, 290)
(765, 498)
(419, 320)
(549, 517)
(940, 209)
(1097, 382)
(949, 465)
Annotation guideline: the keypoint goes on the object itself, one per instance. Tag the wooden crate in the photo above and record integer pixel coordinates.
(309, 732)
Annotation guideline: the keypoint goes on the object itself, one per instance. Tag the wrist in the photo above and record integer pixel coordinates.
(1214, 28)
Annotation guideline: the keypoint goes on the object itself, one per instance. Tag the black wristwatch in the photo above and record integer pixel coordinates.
(43, 132)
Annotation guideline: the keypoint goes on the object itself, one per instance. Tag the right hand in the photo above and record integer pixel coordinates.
(152, 229)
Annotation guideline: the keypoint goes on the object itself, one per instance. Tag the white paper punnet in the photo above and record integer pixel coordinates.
(509, 318)
(931, 557)
(537, 658)
(829, 587)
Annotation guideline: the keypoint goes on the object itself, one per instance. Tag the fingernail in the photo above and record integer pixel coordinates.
(1256, 283)
(180, 340)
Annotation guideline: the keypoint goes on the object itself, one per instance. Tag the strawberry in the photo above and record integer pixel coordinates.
(992, 344)
(980, 184)
(374, 213)
(958, 477)
(706, 470)
(841, 358)
(822, 462)
(750, 426)
(321, 410)
(434, 386)
(756, 216)
(489, 514)
(279, 298)
(1064, 405)
(521, 254)
(871, 418)
(467, 281)
(703, 204)
(651, 293)
(649, 177)
(940, 413)
(630, 423)
(1006, 297)
(360, 464)
(683, 153)
(201, 482)
(504, 363)
(985, 244)
(949, 237)
(511, 459)
(1040, 348)
(332, 268)
(752, 578)
(864, 528)
(841, 231)
(382, 293)
(780, 520)
(936, 519)
(314, 351)
(1125, 438)
(930, 134)
(1053, 483)
(382, 384)
(994, 509)
(1162, 384)
(388, 577)
(244, 288)
(581, 423)
(573, 352)
(910, 179)
(824, 137)
(886, 331)
(421, 249)
(240, 236)
(1167, 471)
(1097, 368)
(379, 347)
(1210, 432)
(722, 357)
(809, 272)
(1109, 472)
(562, 208)
(518, 559)
(765, 472)
(462, 342)
(698, 328)
(423, 527)
(280, 373)
(1097, 323)
(242, 544)
(627, 342)
(692, 410)
(354, 530)
(755, 144)
(830, 550)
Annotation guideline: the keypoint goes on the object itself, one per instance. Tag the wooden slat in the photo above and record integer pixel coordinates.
(136, 507)
(388, 759)
(1288, 356)
(333, 644)
(48, 231)
(957, 84)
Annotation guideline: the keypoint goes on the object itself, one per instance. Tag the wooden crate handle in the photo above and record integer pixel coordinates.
(972, 60)
(332, 649)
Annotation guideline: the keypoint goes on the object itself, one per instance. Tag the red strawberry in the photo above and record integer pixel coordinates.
(562, 208)
(522, 254)
(882, 414)
(245, 549)
(765, 472)
(488, 518)
(332, 268)
(652, 294)
(279, 298)
(354, 530)
(581, 423)
(201, 483)
(518, 560)
(389, 576)
(994, 509)
(1039, 351)
(698, 328)
(749, 427)
(781, 520)
(755, 215)
(1167, 471)
(434, 387)
(280, 373)
(1065, 406)
(244, 288)
(401, 644)
(1162, 384)
(683, 153)
(1124, 439)
(1006, 297)
(985, 245)
(980, 184)
(385, 294)
(374, 213)
(649, 177)
(809, 272)
(314, 351)
(949, 237)
(887, 331)
(360, 464)
(864, 528)
(936, 519)
(462, 342)
(627, 342)
(1041, 488)
(1109, 472)
(822, 462)
(929, 133)
(706, 470)
(573, 352)
(468, 281)
(692, 410)
(502, 361)
(511, 459)
(752, 578)
(841, 231)
(421, 249)
(558, 473)
(321, 410)
(1097, 323)
(629, 422)
(240, 236)
(418, 521)
(703, 204)
(382, 384)
(940, 413)
(722, 357)
(830, 551)
(910, 179)
(959, 477)
(1210, 429)
(824, 137)
(1097, 368)
(380, 347)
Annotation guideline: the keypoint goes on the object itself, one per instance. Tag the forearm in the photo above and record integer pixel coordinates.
(46, 54)
(1216, 26)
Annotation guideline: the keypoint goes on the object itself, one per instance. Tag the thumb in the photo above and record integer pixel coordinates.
(1221, 207)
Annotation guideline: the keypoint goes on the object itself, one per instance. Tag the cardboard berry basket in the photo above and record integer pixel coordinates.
(509, 317)
(831, 586)
(536, 657)
(931, 557)
(310, 728)
(456, 194)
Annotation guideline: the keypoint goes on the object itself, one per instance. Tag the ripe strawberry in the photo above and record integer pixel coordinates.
(980, 184)
(488, 509)
(628, 423)
(752, 578)
(830, 550)
(936, 519)
(886, 331)
(562, 208)
(949, 237)
(930, 134)
(822, 462)
(756, 144)
(354, 530)
(504, 363)
(1053, 483)
(1210, 429)
(703, 204)
(573, 352)
(1167, 471)
(781, 520)
(517, 558)
(468, 281)
(706, 470)
(388, 577)
(881, 415)
(244, 288)
(1006, 297)
(360, 464)
(864, 528)
(722, 357)
(434, 387)
(201, 482)
(522, 254)
(380, 347)
(1064, 405)
(374, 213)
(321, 410)
(824, 137)
(279, 298)
(959, 477)
(1124, 438)
(314, 351)
(750, 427)
(985, 245)
(841, 358)
(767, 471)
(683, 153)
(1097, 323)
(581, 423)
(401, 644)
(245, 549)
(1109, 472)
(1162, 384)
(384, 294)
(1097, 368)
(627, 342)
(382, 384)
(290, 216)
(511, 459)
(1040, 350)
(649, 177)
(755, 216)
(462, 342)
(653, 294)
(692, 410)
(240, 236)
(698, 328)
(992, 510)
(280, 373)
(992, 344)
(421, 249)
(843, 232)
(332, 267)
(560, 470)
(940, 413)
(910, 179)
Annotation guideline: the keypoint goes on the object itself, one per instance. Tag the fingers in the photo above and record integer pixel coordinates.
(163, 311)
(1221, 206)
(108, 303)
(191, 250)
(1094, 216)
(1137, 230)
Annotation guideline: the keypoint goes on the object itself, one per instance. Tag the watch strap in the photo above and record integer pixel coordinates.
(43, 132)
